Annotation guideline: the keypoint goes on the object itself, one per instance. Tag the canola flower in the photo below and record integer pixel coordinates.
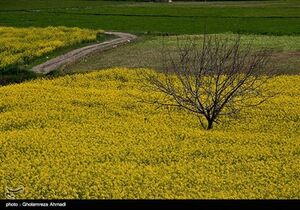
(21, 45)
(85, 136)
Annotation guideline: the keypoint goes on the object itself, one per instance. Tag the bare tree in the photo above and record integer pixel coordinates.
(212, 77)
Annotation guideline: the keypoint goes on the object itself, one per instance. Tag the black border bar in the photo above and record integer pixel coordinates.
(153, 204)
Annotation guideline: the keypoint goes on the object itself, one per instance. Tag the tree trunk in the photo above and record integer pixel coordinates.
(210, 124)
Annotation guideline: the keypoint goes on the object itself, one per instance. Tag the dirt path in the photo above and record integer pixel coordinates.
(74, 55)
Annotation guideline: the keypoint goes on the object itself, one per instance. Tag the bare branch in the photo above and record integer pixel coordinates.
(212, 78)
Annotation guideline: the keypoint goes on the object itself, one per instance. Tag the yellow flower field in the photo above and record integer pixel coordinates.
(20, 45)
(85, 136)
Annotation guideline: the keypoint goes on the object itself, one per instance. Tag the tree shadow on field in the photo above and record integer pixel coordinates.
(15, 75)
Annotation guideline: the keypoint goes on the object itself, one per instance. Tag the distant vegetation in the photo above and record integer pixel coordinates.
(263, 17)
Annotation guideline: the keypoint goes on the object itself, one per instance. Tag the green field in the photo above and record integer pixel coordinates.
(285, 59)
(263, 17)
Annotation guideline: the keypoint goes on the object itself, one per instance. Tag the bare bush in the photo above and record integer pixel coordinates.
(211, 78)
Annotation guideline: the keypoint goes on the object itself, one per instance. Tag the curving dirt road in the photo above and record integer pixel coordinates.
(74, 55)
